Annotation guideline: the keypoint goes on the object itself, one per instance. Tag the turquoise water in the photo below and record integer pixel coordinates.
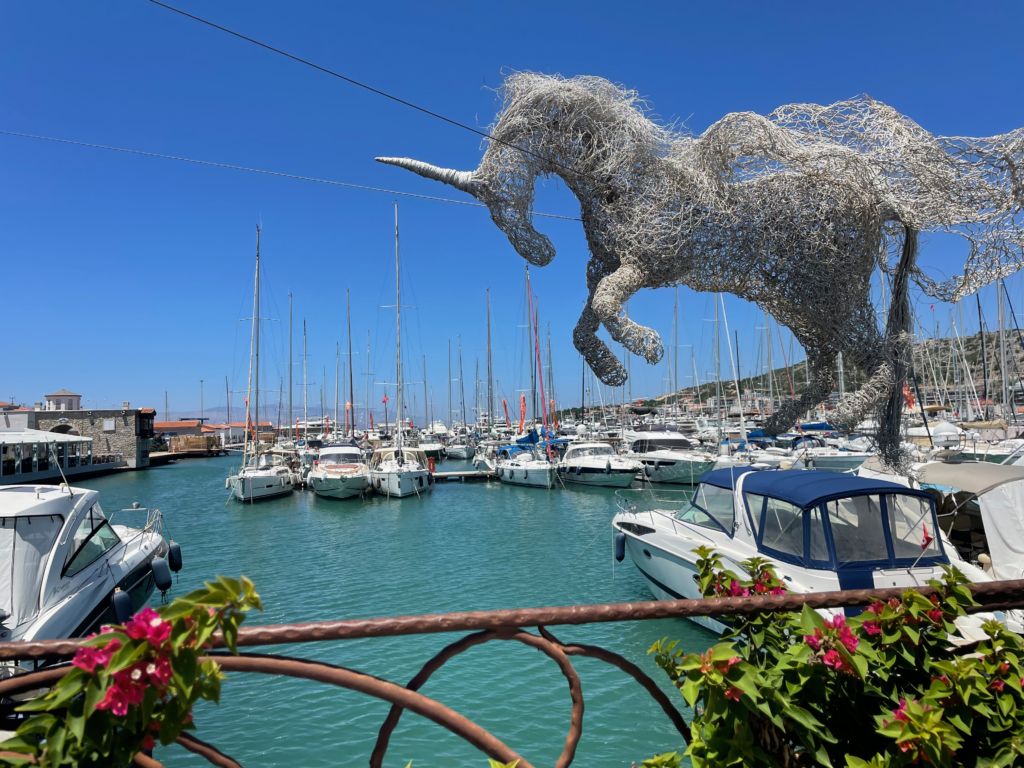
(467, 546)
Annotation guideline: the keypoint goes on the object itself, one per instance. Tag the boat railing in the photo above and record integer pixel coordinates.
(649, 500)
(484, 626)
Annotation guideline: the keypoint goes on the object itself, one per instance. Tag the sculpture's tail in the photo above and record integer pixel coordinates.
(461, 180)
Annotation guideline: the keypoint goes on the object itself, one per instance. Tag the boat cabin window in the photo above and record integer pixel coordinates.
(819, 546)
(592, 450)
(711, 507)
(669, 443)
(783, 528)
(92, 539)
(755, 504)
(910, 523)
(857, 528)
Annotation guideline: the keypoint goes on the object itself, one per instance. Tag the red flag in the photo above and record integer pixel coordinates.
(927, 539)
(385, 399)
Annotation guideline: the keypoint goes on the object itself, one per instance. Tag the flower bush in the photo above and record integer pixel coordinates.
(133, 686)
(884, 689)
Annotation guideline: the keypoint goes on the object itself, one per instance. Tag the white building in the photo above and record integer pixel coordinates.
(62, 400)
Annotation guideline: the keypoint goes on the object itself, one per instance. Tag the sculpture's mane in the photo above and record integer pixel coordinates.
(887, 166)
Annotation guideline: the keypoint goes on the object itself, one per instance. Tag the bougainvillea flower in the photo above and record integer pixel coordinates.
(996, 685)
(733, 693)
(900, 712)
(89, 657)
(148, 625)
(814, 640)
(149, 742)
(780, 590)
(833, 659)
(876, 608)
(935, 614)
(872, 627)
(159, 671)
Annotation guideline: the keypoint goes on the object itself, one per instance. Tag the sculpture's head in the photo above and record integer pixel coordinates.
(510, 201)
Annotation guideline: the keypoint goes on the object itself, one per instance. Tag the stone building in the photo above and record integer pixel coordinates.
(123, 433)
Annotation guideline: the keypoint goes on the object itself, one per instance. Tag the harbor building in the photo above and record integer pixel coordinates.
(178, 428)
(63, 400)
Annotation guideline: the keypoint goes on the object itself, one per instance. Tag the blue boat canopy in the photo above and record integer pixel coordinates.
(804, 487)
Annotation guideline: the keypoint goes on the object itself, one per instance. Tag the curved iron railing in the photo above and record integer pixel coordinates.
(484, 626)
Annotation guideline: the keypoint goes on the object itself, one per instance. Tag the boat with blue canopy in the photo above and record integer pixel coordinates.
(821, 531)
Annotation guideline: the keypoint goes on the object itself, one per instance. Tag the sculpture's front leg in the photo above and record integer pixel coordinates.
(611, 293)
(595, 352)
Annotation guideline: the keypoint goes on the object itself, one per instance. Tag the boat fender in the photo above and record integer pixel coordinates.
(579, 470)
(227, 482)
(607, 467)
(121, 602)
(647, 470)
(501, 471)
(620, 546)
(657, 465)
(526, 474)
(161, 574)
(511, 474)
(174, 556)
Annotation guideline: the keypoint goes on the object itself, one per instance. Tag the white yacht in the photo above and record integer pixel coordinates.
(431, 447)
(340, 472)
(597, 464)
(265, 476)
(668, 457)
(820, 531)
(485, 457)
(400, 472)
(525, 465)
(461, 448)
(66, 570)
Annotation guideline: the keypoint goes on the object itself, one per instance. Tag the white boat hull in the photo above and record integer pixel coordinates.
(460, 452)
(333, 486)
(674, 471)
(402, 483)
(614, 478)
(258, 487)
(531, 477)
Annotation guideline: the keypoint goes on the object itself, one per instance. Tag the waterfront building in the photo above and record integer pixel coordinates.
(178, 428)
(63, 400)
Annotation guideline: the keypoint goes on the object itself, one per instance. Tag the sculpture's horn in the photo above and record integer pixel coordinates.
(462, 180)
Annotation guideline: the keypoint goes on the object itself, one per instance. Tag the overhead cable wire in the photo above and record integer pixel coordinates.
(370, 88)
(267, 173)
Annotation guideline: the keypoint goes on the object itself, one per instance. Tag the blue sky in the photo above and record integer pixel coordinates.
(125, 277)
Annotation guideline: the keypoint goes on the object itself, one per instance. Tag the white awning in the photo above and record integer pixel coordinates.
(977, 477)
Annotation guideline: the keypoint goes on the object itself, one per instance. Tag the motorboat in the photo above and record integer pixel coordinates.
(431, 447)
(461, 448)
(400, 472)
(525, 465)
(64, 562)
(486, 456)
(668, 457)
(265, 476)
(340, 472)
(820, 532)
(597, 464)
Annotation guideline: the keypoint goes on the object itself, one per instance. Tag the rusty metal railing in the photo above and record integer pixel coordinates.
(484, 626)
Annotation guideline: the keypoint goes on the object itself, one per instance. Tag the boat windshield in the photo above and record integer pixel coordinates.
(25, 542)
(592, 450)
(265, 461)
(339, 456)
(711, 507)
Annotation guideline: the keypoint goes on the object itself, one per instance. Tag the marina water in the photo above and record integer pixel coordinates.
(468, 546)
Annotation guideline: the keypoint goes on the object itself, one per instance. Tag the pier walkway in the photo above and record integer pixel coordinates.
(465, 475)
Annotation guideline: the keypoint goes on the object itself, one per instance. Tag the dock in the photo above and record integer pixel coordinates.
(466, 476)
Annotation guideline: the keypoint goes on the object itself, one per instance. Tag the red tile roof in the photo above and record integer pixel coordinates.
(147, 410)
(175, 424)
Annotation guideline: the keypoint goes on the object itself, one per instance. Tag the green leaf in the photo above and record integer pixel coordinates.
(691, 690)
(811, 620)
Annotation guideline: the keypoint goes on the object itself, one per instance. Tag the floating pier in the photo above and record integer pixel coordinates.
(466, 475)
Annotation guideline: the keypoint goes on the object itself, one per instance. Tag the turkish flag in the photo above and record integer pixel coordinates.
(385, 399)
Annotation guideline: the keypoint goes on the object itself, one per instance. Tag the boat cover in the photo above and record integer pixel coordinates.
(1002, 513)
(976, 477)
(803, 487)
(25, 543)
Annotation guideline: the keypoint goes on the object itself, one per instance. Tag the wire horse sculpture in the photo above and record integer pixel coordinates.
(792, 211)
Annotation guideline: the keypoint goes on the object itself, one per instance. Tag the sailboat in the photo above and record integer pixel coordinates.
(397, 470)
(263, 475)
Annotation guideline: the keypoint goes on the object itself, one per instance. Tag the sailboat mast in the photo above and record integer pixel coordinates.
(490, 381)
(449, 383)
(462, 396)
(984, 357)
(256, 348)
(551, 375)
(367, 383)
(337, 359)
(1000, 289)
(305, 387)
(252, 350)
(718, 371)
(426, 402)
(290, 416)
(351, 385)
(675, 349)
(398, 342)
(533, 371)
(771, 373)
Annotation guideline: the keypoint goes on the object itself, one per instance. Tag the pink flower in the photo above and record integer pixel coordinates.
(780, 590)
(148, 625)
(733, 693)
(149, 742)
(996, 685)
(726, 666)
(735, 589)
(941, 679)
(121, 694)
(159, 671)
(935, 614)
(847, 638)
(872, 627)
(833, 659)
(1004, 668)
(876, 608)
(839, 620)
(901, 712)
(814, 640)
(89, 657)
